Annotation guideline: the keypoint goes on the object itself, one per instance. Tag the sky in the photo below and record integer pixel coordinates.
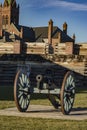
(35, 13)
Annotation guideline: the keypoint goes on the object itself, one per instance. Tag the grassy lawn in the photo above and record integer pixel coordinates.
(19, 123)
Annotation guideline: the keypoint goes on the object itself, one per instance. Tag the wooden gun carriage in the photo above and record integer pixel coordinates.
(46, 69)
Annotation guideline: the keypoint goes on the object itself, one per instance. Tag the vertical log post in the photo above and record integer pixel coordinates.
(17, 47)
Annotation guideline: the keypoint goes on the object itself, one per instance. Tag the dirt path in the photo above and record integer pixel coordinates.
(40, 111)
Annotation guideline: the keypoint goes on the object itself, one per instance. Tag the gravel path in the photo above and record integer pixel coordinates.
(41, 111)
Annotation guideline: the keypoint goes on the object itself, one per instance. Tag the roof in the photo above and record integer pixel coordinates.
(28, 32)
(64, 36)
(41, 32)
(37, 34)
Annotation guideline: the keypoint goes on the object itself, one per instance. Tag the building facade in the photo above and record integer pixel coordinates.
(9, 25)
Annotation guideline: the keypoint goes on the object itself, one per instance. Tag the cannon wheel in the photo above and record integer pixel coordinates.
(53, 101)
(67, 94)
(22, 90)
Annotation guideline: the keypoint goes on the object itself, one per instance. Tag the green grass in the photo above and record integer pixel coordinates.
(81, 100)
(19, 123)
(7, 104)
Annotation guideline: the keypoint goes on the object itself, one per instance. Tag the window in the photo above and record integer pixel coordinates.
(3, 20)
(6, 19)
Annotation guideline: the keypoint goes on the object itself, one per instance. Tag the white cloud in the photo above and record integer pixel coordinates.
(68, 5)
(57, 3)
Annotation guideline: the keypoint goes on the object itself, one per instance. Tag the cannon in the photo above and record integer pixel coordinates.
(24, 87)
(44, 77)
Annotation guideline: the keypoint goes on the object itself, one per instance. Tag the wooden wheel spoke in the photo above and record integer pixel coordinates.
(23, 100)
(71, 79)
(70, 94)
(21, 82)
(24, 103)
(20, 94)
(26, 91)
(71, 100)
(73, 91)
(23, 78)
(20, 100)
(66, 105)
(72, 88)
(70, 104)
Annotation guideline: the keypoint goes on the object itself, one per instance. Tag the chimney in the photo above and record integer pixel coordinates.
(65, 28)
(0, 20)
(21, 32)
(1, 5)
(0, 31)
(74, 37)
(59, 37)
(50, 31)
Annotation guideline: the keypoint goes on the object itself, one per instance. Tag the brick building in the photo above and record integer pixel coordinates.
(10, 28)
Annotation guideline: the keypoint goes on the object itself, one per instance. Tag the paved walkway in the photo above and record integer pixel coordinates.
(40, 111)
